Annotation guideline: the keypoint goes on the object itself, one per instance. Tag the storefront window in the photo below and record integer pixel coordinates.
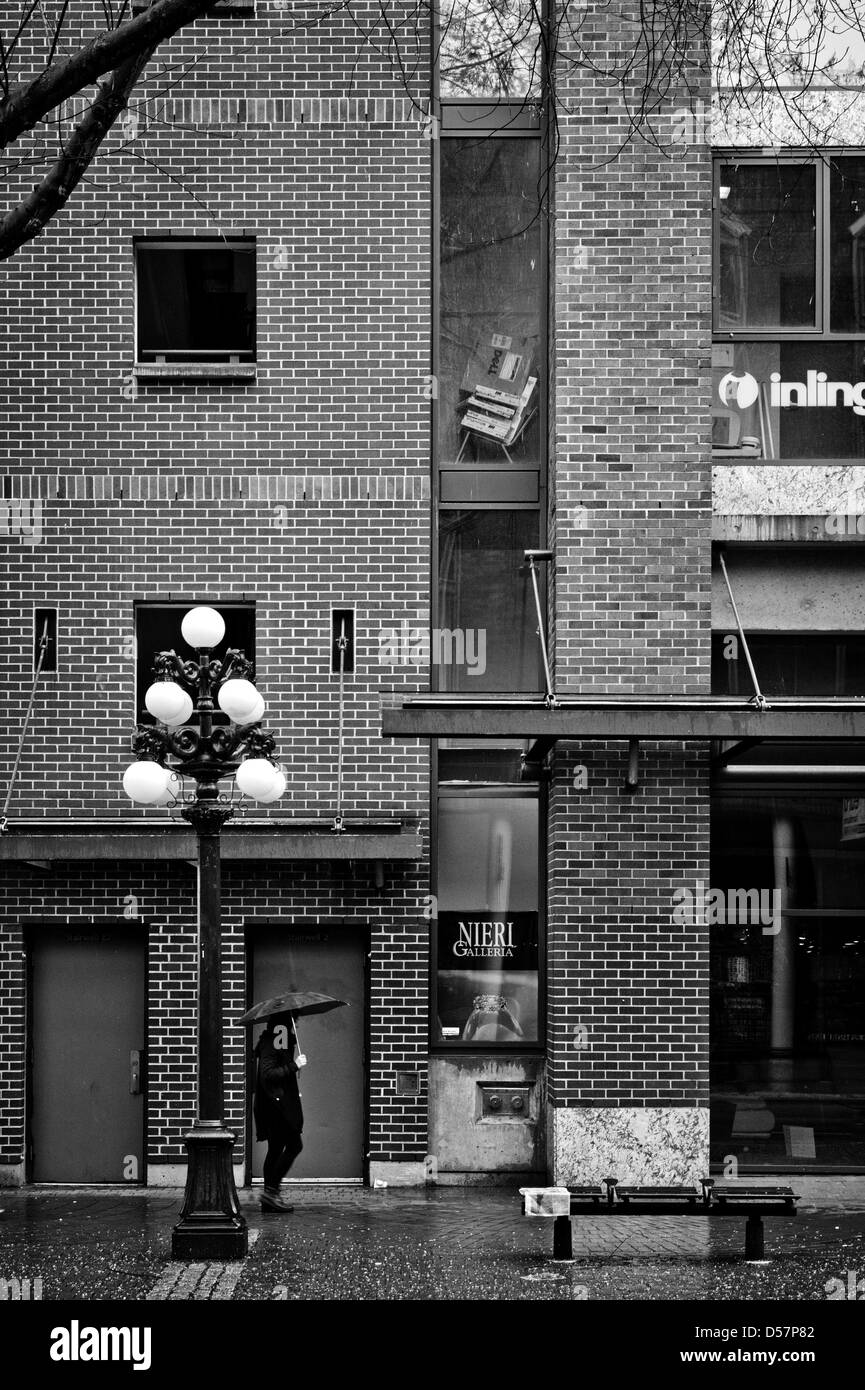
(788, 980)
(487, 950)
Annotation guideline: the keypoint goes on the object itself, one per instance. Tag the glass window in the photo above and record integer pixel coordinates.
(789, 400)
(788, 980)
(487, 636)
(490, 300)
(847, 222)
(489, 48)
(789, 664)
(196, 301)
(157, 629)
(487, 931)
(767, 246)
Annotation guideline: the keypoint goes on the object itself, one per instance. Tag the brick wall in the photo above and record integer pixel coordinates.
(305, 489)
(631, 490)
(294, 894)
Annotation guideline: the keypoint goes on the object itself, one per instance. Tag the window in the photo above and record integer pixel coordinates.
(491, 408)
(788, 980)
(157, 629)
(486, 599)
(796, 663)
(789, 354)
(195, 301)
(487, 933)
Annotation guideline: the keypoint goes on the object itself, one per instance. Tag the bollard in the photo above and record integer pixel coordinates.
(563, 1248)
(754, 1238)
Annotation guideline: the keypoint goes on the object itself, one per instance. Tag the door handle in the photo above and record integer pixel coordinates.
(135, 1073)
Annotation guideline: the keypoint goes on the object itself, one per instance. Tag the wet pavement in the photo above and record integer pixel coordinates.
(434, 1243)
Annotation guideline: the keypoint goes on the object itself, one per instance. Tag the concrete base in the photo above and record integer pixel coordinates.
(654, 1145)
(174, 1174)
(12, 1174)
(398, 1174)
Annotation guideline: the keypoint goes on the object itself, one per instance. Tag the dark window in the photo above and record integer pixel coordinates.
(487, 932)
(196, 300)
(847, 214)
(767, 216)
(487, 636)
(157, 628)
(789, 664)
(787, 926)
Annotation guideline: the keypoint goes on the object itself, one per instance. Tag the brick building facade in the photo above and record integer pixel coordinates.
(324, 464)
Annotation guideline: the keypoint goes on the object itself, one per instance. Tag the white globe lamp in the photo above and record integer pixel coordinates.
(238, 699)
(258, 778)
(256, 713)
(164, 700)
(184, 713)
(277, 792)
(173, 791)
(203, 627)
(145, 782)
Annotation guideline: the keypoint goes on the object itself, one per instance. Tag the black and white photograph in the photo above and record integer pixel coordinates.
(432, 753)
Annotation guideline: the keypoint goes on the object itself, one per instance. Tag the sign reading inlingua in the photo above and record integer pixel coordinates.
(816, 391)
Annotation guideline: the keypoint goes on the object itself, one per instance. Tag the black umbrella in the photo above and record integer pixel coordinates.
(295, 1002)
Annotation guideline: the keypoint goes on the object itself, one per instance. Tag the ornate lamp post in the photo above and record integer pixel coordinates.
(211, 1225)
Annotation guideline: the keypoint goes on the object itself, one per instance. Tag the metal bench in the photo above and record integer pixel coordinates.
(563, 1203)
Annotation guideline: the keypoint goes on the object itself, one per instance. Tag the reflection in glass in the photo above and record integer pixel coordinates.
(788, 980)
(487, 963)
(489, 48)
(767, 250)
(486, 598)
(788, 400)
(847, 212)
(490, 306)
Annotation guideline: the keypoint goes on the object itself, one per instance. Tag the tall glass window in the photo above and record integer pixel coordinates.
(787, 925)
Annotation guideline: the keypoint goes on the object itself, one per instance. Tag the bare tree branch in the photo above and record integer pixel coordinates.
(27, 102)
(26, 221)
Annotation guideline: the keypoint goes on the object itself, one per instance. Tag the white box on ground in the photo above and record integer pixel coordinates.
(546, 1201)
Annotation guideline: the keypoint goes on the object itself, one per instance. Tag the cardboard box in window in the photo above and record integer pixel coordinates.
(500, 362)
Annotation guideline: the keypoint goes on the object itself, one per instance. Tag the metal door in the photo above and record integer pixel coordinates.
(87, 1053)
(330, 960)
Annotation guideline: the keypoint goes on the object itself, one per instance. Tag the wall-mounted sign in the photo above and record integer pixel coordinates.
(488, 976)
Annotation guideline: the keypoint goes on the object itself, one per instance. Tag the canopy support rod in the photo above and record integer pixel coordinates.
(759, 699)
(543, 557)
(43, 647)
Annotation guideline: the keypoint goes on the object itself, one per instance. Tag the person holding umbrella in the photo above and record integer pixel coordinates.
(276, 1104)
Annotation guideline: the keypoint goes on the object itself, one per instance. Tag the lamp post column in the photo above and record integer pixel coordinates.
(211, 1225)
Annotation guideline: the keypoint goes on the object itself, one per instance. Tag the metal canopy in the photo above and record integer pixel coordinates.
(657, 718)
(39, 841)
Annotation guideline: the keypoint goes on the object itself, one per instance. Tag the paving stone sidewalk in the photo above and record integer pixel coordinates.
(420, 1244)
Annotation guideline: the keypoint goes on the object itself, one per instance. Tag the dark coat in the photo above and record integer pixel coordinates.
(276, 1104)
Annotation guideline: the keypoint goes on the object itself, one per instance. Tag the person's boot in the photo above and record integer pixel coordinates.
(271, 1201)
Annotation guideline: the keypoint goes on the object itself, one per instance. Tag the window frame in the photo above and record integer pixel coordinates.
(203, 359)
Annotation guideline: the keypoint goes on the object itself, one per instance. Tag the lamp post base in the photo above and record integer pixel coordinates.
(211, 1226)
